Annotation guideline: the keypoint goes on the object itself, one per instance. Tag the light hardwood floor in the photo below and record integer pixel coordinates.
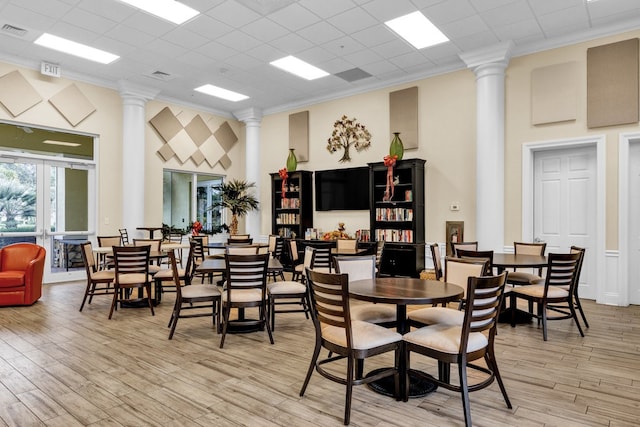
(60, 367)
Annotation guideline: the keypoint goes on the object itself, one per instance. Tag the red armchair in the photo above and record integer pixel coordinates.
(21, 269)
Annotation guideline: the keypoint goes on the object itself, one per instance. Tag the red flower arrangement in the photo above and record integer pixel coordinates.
(196, 227)
(284, 175)
(389, 162)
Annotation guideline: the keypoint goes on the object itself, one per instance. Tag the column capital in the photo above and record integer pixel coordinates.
(249, 116)
(496, 54)
(131, 90)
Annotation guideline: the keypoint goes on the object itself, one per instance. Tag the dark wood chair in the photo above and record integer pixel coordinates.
(106, 260)
(436, 256)
(124, 236)
(524, 277)
(462, 344)
(456, 271)
(203, 300)
(276, 252)
(99, 282)
(246, 287)
(163, 279)
(344, 338)
(322, 257)
(483, 255)
(556, 294)
(295, 265)
(290, 292)
(131, 272)
(469, 246)
(576, 297)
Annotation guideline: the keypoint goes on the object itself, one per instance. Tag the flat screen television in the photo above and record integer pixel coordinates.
(342, 189)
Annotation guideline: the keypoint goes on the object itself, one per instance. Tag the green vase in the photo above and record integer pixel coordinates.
(396, 148)
(292, 162)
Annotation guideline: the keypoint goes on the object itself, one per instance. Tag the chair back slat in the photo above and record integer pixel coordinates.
(154, 244)
(525, 248)
(131, 259)
(484, 299)
(561, 270)
(246, 271)
(108, 241)
(346, 244)
(124, 236)
(293, 250)
(437, 260)
(356, 267)
(482, 255)
(309, 255)
(322, 258)
(242, 250)
(468, 246)
(330, 300)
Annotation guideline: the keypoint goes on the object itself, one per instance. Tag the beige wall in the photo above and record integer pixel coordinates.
(447, 138)
(446, 142)
(519, 130)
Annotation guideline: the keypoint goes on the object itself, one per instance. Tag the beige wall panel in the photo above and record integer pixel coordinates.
(182, 145)
(166, 123)
(612, 84)
(554, 93)
(166, 152)
(212, 150)
(226, 136)
(299, 135)
(17, 94)
(198, 130)
(72, 104)
(403, 116)
(225, 161)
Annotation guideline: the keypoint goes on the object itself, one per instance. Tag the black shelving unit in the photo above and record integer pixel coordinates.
(292, 211)
(399, 222)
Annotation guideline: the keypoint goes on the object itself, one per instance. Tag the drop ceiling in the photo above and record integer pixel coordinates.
(231, 43)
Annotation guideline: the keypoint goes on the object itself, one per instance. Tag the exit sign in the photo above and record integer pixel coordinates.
(49, 69)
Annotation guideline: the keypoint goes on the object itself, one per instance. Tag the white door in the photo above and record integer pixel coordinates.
(564, 212)
(634, 223)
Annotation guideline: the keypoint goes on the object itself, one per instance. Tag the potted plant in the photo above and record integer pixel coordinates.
(235, 196)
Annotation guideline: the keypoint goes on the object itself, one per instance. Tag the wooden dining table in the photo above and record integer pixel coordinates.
(404, 291)
(504, 261)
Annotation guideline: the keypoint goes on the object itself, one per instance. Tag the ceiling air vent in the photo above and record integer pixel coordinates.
(161, 75)
(13, 31)
(353, 74)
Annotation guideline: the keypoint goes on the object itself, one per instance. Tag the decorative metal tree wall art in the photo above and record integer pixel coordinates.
(346, 133)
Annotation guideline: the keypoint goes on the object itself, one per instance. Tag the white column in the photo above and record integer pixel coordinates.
(252, 118)
(133, 157)
(489, 67)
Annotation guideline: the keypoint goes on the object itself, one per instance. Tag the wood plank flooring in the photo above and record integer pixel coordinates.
(60, 367)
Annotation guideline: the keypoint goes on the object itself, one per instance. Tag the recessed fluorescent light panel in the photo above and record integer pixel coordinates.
(171, 10)
(298, 67)
(76, 49)
(219, 92)
(417, 30)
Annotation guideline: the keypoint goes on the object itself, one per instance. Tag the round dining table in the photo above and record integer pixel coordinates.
(401, 292)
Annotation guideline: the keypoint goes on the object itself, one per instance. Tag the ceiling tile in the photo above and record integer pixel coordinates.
(239, 41)
(233, 14)
(291, 44)
(208, 27)
(89, 21)
(185, 38)
(327, 8)
(385, 10)
(374, 36)
(353, 20)
(294, 17)
(265, 30)
(320, 33)
(449, 11)
(343, 46)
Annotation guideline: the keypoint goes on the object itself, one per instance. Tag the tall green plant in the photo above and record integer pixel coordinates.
(235, 195)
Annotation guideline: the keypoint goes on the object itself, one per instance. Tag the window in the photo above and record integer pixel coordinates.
(187, 197)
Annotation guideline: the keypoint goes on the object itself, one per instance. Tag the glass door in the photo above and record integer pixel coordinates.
(50, 203)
